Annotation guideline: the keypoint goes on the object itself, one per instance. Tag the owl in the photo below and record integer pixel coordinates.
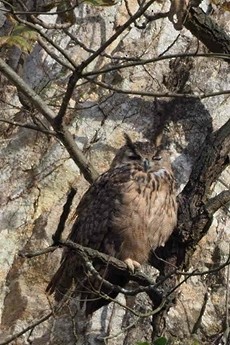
(129, 211)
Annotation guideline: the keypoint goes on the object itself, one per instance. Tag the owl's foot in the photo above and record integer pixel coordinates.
(132, 264)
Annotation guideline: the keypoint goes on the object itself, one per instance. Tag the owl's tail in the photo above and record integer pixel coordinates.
(61, 282)
(70, 280)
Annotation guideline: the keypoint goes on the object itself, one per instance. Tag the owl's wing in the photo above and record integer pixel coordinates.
(93, 228)
(97, 207)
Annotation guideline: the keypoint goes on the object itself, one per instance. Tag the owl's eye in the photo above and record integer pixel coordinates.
(134, 157)
(156, 158)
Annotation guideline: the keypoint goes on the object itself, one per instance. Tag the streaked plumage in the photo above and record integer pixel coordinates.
(128, 211)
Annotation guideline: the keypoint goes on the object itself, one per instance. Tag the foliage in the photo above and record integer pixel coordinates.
(102, 2)
(21, 36)
(159, 341)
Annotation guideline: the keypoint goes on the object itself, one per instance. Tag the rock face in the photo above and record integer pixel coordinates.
(36, 173)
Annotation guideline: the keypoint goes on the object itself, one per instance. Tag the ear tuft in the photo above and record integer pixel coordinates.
(128, 140)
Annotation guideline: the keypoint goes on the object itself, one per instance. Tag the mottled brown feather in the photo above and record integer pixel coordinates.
(128, 211)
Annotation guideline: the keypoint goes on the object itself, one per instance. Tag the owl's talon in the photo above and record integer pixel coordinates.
(132, 264)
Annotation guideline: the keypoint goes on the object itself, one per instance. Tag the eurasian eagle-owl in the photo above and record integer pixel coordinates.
(128, 211)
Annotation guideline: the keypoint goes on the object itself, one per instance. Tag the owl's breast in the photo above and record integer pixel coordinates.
(147, 212)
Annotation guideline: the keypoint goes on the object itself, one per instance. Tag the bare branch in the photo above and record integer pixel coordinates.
(30, 255)
(155, 59)
(50, 52)
(141, 93)
(29, 126)
(213, 94)
(55, 26)
(212, 161)
(28, 328)
(53, 13)
(211, 271)
(207, 31)
(89, 254)
(78, 71)
(199, 320)
(156, 94)
(227, 326)
(48, 39)
(64, 135)
(218, 201)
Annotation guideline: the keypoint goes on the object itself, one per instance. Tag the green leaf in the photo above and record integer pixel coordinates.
(24, 31)
(196, 342)
(21, 37)
(161, 341)
(104, 3)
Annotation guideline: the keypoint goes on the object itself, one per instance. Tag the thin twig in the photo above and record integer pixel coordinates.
(156, 94)
(211, 271)
(64, 135)
(77, 74)
(123, 330)
(32, 325)
(199, 320)
(51, 53)
(29, 126)
(227, 328)
(141, 93)
(155, 59)
(47, 38)
(56, 26)
(33, 254)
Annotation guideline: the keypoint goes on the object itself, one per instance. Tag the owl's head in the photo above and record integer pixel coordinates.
(145, 154)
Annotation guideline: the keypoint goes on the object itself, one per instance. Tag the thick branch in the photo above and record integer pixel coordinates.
(207, 31)
(218, 201)
(194, 219)
(209, 165)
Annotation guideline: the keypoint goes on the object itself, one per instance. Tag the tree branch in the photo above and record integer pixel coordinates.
(76, 75)
(194, 220)
(63, 135)
(217, 202)
(28, 328)
(156, 94)
(207, 31)
(141, 62)
(29, 126)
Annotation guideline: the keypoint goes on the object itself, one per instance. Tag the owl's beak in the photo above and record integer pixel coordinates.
(146, 164)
